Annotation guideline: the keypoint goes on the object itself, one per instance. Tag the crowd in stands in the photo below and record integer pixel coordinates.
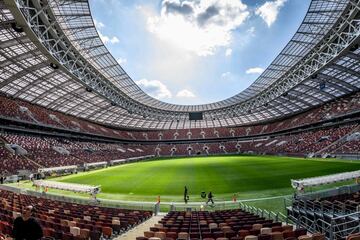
(21, 110)
(233, 224)
(70, 221)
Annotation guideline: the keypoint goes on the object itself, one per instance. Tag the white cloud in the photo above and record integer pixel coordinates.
(228, 52)
(270, 10)
(121, 61)
(200, 26)
(185, 94)
(114, 40)
(251, 31)
(98, 24)
(154, 88)
(105, 39)
(254, 70)
(226, 75)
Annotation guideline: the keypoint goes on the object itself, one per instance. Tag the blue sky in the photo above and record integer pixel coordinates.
(196, 52)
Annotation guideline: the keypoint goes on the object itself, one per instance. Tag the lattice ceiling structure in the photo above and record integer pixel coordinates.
(52, 55)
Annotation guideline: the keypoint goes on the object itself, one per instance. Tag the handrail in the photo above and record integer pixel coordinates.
(334, 227)
(265, 213)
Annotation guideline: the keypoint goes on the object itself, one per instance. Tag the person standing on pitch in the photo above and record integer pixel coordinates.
(210, 198)
(186, 197)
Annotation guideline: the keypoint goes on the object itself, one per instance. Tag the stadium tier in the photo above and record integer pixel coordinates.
(20, 110)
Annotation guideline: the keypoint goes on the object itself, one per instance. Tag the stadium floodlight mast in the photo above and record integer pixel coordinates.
(42, 26)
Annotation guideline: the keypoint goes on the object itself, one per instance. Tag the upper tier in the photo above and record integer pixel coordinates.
(51, 55)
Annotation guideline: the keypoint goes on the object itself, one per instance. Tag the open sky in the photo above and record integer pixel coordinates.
(199, 51)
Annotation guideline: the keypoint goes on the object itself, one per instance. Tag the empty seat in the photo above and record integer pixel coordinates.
(251, 237)
(318, 236)
(75, 231)
(265, 230)
(160, 235)
(107, 232)
(305, 237)
(149, 234)
(183, 235)
(276, 236)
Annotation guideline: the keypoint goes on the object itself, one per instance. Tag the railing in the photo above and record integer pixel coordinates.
(86, 201)
(334, 229)
(156, 208)
(152, 205)
(277, 217)
(352, 156)
(332, 192)
(345, 225)
(322, 208)
(220, 204)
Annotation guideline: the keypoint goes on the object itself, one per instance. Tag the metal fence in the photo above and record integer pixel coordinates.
(330, 192)
(334, 219)
(334, 228)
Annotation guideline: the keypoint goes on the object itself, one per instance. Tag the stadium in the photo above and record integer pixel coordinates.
(100, 158)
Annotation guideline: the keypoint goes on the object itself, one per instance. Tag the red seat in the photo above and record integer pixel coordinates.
(107, 232)
(95, 235)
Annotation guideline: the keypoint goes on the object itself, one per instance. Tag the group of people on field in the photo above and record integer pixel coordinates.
(209, 196)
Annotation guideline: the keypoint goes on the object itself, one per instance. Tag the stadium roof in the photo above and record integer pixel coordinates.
(52, 55)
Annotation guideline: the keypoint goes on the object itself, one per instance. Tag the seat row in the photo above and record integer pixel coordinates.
(63, 220)
(220, 225)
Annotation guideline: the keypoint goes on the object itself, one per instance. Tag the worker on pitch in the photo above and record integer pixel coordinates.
(186, 196)
(210, 198)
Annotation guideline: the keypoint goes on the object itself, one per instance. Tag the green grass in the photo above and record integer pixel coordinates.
(246, 176)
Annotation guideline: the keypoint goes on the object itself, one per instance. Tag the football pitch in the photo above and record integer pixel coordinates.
(248, 177)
